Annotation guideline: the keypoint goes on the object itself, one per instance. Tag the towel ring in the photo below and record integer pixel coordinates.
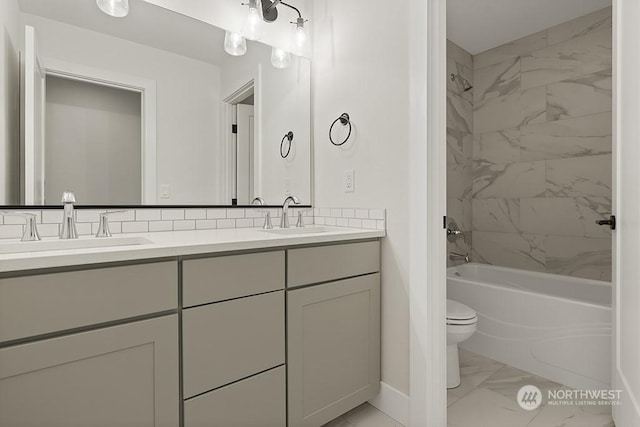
(344, 120)
(288, 137)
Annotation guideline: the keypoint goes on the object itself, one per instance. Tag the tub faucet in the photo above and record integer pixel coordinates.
(68, 229)
(284, 223)
(454, 256)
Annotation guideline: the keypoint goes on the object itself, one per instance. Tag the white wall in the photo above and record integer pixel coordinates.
(283, 102)
(361, 66)
(188, 104)
(9, 102)
(230, 14)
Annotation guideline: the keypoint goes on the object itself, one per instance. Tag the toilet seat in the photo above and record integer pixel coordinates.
(460, 314)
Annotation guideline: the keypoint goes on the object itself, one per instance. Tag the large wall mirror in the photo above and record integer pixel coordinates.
(150, 110)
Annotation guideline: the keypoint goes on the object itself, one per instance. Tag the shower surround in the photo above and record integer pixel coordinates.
(536, 173)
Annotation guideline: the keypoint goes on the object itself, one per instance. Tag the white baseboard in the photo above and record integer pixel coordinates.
(392, 402)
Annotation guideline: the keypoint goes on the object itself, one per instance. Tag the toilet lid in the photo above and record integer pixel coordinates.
(459, 311)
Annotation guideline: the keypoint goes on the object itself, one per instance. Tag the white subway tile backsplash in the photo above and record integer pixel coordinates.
(195, 214)
(216, 213)
(362, 213)
(172, 214)
(244, 223)
(348, 213)
(253, 213)
(206, 224)
(158, 220)
(50, 230)
(84, 215)
(10, 231)
(181, 225)
(235, 213)
(226, 223)
(355, 223)
(148, 215)
(377, 214)
(160, 226)
(50, 216)
(135, 227)
(343, 222)
(83, 228)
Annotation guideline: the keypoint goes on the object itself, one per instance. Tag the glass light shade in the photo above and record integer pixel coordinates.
(234, 44)
(115, 8)
(280, 58)
(252, 26)
(300, 42)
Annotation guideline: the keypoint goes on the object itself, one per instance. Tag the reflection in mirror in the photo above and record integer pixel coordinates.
(149, 109)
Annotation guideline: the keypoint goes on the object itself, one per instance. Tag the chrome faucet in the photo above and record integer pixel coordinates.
(284, 222)
(103, 225)
(453, 256)
(30, 231)
(267, 215)
(68, 229)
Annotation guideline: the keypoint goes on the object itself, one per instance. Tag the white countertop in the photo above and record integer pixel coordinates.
(177, 243)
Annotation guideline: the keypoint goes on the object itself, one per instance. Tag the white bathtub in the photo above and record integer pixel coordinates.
(554, 326)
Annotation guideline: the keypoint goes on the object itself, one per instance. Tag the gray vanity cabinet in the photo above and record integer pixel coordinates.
(233, 347)
(98, 365)
(333, 332)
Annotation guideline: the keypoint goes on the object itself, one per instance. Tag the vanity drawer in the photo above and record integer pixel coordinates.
(228, 341)
(258, 401)
(209, 280)
(46, 303)
(325, 263)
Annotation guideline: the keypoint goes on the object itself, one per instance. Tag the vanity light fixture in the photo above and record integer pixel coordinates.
(252, 26)
(115, 8)
(280, 58)
(234, 44)
(300, 40)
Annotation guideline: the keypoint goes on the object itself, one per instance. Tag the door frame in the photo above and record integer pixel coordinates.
(147, 90)
(619, 382)
(427, 190)
(228, 111)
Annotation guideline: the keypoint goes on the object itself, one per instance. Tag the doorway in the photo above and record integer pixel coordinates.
(93, 137)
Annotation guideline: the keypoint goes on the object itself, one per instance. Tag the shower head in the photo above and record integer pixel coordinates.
(466, 85)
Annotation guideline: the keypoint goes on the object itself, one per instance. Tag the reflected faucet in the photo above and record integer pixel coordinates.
(267, 215)
(68, 230)
(284, 223)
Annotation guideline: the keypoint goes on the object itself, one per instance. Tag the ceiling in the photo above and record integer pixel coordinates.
(146, 24)
(479, 25)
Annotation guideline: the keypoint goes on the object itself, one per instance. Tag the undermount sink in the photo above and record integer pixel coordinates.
(65, 245)
(298, 230)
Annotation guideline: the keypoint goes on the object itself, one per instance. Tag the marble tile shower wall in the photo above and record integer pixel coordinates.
(541, 151)
(459, 146)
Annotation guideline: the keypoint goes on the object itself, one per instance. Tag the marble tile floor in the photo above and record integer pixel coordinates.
(364, 416)
(486, 398)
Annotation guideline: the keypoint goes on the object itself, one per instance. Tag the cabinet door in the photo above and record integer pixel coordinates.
(333, 348)
(123, 375)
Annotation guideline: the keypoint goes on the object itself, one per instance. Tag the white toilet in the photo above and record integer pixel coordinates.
(461, 324)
